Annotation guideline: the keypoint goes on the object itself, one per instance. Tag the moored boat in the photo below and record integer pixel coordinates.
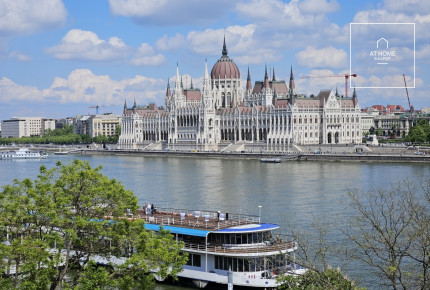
(219, 243)
(270, 160)
(23, 153)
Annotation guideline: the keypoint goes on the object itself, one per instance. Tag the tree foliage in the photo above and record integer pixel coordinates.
(332, 279)
(420, 133)
(67, 217)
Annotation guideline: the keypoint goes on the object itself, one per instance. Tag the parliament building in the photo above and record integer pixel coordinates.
(227, 116)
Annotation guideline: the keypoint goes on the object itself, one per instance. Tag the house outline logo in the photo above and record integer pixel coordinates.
(383, 40)
(382, 55)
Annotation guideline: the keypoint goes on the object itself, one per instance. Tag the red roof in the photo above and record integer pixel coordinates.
(380, 108)
(193, 94)
(395, 108)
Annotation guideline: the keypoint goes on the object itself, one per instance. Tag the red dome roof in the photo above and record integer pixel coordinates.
(225, 68)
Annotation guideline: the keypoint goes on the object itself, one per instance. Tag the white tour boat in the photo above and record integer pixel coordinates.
(23, 153)
(227, 248)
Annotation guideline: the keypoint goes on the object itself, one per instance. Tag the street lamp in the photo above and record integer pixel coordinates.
(259, 215)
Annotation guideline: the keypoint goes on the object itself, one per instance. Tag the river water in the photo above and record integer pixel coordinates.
(290, 193)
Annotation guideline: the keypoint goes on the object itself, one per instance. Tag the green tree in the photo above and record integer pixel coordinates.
(417, 134)
(328, 279)
(70, 215)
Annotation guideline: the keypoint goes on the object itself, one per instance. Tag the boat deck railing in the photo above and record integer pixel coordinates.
(239, 249)
(199, 219)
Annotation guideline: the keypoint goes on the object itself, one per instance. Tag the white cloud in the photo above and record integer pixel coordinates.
(19, 56)
(318, 6)
(85, 45)
(29, 16)
(11, 92)
(240, 41)
(170, 43)
(329, 57)
(171, 12)
(83, 86)
(135, 8)
(407, 6)
(145, 56)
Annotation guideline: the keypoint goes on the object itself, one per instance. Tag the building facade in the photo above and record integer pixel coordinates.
(26, 126)
(97, 125)
(224, 116)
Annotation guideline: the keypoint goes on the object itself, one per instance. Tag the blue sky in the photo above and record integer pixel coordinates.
(58, 58)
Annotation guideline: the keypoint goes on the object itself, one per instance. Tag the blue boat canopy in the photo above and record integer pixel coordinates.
(249, 228)
(178, 230)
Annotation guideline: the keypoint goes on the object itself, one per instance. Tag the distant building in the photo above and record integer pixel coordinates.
(97, 125)
(26, 126)
(389, 109)
(367, 122)
(60, 123)
(223, 116)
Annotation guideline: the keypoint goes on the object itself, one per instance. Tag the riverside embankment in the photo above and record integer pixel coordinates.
(385, 156)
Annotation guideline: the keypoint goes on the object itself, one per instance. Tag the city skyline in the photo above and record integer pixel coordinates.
(59, 58)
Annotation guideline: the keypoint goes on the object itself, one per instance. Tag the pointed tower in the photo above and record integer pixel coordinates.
(266, 93)
(207, 97)
(168, 93)
(273, 78)
(224, 49)
(248, 82)
(291, 85)
(207, 111)
(177, 80)
(266, 83)
(125, 107)
(354, 98)
(337, 93)
(134, 107)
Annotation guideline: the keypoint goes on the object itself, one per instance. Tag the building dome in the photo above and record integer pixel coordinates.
(225, 68)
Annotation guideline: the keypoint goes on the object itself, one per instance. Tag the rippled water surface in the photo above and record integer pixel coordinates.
(293, 192)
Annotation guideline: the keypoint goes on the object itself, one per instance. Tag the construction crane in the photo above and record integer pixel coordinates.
(411, 108)
(346, 76)
(97, 108)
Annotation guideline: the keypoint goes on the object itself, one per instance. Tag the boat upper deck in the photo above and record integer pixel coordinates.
(212, 221)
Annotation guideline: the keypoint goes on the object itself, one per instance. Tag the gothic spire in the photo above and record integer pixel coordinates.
(168, 88)
(266, 79)
(273, 78)
(292, 85)
(177, 81)
(224, 48)
(191, 83)
(125, 104)
(248, 81)
(265, 73)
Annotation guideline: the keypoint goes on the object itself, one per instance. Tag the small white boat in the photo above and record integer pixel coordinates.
(23, 153)
(61, 153)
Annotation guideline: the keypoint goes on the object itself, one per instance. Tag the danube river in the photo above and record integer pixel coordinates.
(293, 192)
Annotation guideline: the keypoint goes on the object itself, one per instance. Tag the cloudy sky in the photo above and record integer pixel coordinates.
(59, 57)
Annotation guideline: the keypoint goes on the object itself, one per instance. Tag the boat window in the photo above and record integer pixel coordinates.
(238, 239)
(194, 260)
